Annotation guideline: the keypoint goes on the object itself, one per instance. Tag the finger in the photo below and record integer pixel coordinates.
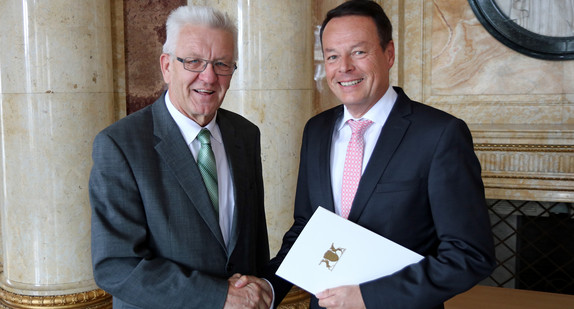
(233, 279)
(242, 281)
(323, 294)
(266, 294)
(324, 303)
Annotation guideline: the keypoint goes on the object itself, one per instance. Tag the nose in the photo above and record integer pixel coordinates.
(208, 75)
(346, 64)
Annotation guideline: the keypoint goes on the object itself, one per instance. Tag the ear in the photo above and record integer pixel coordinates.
(166, 67)
(390, 53)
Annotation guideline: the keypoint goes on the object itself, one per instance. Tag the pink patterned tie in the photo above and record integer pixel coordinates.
(353, 164)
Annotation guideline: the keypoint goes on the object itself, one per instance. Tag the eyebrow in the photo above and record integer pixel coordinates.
(359, 44)
(224, 58)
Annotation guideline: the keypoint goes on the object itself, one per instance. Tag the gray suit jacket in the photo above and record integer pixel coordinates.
(156, 241)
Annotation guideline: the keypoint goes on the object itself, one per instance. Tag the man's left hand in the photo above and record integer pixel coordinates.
(348, 297)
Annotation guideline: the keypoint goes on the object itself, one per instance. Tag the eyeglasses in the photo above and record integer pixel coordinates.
(199, 65)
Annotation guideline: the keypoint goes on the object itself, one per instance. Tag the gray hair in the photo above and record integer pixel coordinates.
(200, 16)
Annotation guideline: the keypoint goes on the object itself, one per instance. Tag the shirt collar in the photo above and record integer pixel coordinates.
(378, 114)
(189, 128)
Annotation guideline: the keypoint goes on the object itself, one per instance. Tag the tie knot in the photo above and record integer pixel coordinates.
(359, 126)
(204, 137)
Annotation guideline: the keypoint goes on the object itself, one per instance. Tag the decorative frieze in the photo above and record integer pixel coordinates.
(526, 162)
(95, 299)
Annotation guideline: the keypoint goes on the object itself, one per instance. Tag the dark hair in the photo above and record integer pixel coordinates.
(366, 8)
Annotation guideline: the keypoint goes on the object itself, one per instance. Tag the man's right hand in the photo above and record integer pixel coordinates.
(252, 292)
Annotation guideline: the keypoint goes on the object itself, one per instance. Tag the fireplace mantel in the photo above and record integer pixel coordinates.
(526, 162)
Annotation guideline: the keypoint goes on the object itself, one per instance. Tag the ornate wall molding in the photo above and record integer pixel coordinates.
(526, 162)
(95, 299)
(555, 161)
(524, 148)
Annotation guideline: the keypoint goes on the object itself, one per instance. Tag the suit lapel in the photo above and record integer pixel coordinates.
(389, 140)
(236, 159)
(326, 140)
(172, 148)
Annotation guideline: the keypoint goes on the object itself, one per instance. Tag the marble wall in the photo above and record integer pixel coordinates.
(479, 78)
(520, 109)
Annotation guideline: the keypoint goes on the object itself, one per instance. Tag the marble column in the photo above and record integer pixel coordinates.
(57, 92)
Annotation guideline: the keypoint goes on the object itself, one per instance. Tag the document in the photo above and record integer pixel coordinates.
(332, 251)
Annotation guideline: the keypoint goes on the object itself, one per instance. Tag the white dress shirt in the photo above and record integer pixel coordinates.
(378, 114)
(189, 129)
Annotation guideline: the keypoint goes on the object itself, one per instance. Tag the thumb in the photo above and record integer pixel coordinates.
(241, 282)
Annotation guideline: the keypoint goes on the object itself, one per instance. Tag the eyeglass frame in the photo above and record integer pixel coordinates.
(184, 60)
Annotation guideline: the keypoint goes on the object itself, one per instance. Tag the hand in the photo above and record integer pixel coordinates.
(248, 292)
(348, 297)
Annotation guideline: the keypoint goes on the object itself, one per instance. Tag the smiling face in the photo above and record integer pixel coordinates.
(356, 65)
(198, 95)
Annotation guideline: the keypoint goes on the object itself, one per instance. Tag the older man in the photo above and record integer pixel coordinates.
(176, 188)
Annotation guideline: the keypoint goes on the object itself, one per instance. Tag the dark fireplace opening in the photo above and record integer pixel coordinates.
(545, 253)
(534, 243)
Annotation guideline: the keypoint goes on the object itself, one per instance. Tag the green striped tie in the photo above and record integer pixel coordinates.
(206, 164)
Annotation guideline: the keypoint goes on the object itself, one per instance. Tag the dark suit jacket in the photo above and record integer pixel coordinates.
(156, 241)
(421, 188)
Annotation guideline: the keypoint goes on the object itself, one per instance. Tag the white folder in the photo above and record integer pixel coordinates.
(332, 251)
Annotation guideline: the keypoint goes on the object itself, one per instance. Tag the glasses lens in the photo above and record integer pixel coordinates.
(222, 68)
(195, 64)
(199, 65)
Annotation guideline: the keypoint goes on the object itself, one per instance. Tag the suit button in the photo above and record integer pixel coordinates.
(229, 267)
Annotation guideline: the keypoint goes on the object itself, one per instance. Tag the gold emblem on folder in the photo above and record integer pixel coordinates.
(332, 256)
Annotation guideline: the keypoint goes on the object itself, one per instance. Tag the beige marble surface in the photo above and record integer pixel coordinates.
(274, 52)
(56, 94)
(273, 88)
(280, 115)
(490, 82)
(35, 60)
(118, 57)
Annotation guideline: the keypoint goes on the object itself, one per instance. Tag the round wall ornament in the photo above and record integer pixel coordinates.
(540, 29)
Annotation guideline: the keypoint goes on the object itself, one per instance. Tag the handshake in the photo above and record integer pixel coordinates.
(248, 292)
